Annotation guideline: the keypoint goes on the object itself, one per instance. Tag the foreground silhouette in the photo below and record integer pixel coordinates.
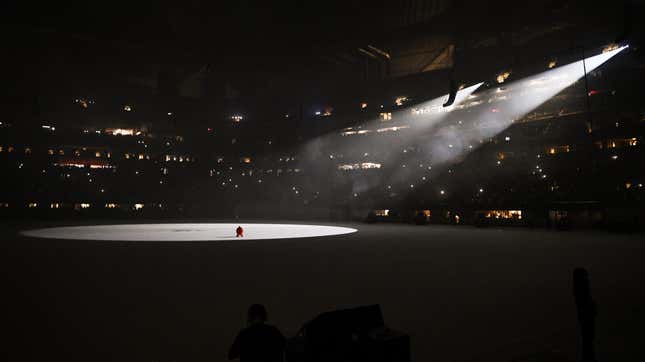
(586, 308)
(258, 342)
(349, 335)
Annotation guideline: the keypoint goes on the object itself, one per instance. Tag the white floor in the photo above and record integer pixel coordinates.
(186, 232)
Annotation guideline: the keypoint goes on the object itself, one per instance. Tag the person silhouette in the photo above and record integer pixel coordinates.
(239, 232)
(587, 312)
(258, 342)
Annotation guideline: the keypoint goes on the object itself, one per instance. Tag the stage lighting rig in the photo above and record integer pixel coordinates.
(452, 95)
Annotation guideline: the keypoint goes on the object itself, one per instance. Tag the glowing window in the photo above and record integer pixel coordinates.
(368, 165)
(384, 212)
(391, 129)
(501, 78)
(558, 149)
(610, 47)
(121, 131)
(503, 214)
(400, 100)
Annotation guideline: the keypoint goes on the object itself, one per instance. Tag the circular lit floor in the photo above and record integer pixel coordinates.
(186, 232)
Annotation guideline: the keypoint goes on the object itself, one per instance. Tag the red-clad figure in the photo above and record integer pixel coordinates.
(239, 232)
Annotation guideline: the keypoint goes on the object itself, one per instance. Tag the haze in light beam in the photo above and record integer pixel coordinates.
(423, 115)
(427, 136)
(491, 112)
(422, 118)
(529, 93)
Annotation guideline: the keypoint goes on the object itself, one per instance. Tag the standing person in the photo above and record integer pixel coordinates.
(258, 342)
(239, 232)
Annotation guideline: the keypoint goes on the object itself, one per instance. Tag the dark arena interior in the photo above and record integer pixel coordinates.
(384, 181)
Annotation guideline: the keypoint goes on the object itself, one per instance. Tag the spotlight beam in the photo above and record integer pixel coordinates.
(493, 111)
(440, 134)
(447, 143)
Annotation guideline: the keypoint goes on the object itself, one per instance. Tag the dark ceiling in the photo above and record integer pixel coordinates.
(68, 45)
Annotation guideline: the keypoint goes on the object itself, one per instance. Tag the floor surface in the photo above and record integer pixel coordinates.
(462, 293)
